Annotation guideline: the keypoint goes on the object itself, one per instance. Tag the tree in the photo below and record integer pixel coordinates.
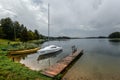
(12, 30)
(17, 29)
(24, 35)
(114, 35)
(1, 33)
(37, 35)
(31, 35)
(7, 27)
(41, 36)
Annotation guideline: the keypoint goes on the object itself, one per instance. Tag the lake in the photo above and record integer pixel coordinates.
(100, 61)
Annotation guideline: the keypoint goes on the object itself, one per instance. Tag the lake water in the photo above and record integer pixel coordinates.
(100, 61)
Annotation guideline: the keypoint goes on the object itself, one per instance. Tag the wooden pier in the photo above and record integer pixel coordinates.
(61, 65)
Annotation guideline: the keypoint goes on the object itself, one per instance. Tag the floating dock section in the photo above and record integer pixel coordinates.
(61, 65)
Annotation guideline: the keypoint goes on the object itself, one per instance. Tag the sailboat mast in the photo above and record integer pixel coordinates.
(48, 21)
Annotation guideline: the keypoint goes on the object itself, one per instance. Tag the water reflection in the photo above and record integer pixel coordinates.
(51, 55)
(35, 61)
(17, 58)
(114, 40)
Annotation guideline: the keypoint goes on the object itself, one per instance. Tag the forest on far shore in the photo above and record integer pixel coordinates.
(114, 35)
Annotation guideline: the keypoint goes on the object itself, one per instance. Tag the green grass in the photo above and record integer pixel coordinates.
(7, 44)
(16, 71)
(10, 70)
(17, 45)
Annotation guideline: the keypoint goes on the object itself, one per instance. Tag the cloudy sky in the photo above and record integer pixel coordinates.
(75, 18)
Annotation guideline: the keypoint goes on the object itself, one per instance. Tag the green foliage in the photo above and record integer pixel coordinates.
(58, 77)
(114, 35)
(37, 42)
(17, 29)
(24, 35)
(37, 35)
(13, 30)
(1, 32)
(6, 45)
(7, 28)
(31, 35)
(3, 53)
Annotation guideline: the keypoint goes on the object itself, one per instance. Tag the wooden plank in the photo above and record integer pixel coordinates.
(57, 68)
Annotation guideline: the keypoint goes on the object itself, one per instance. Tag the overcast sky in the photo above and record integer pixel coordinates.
(75, 18)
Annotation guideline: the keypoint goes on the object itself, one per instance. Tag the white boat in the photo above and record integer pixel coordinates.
(49, 49)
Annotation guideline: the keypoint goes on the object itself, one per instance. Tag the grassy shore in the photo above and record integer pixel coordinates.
(15, 71)
(17, 45)
(10, 70)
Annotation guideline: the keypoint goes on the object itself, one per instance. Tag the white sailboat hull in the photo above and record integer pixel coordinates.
(49, 49)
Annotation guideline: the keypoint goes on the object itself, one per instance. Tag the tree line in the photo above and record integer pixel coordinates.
(13, 30)
(114, 35)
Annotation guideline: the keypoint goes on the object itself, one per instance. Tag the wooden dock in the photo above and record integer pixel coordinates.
(61, 65)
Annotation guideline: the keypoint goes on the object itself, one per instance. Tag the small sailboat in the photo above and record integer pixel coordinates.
(50, 48)
(50, 55)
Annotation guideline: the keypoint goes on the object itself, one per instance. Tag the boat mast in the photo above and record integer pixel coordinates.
(48, 21)
(48, 26)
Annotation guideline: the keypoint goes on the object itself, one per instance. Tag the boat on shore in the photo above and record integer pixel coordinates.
(27, 51)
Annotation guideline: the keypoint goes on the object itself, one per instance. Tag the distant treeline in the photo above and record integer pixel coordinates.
(114, 35)
(13, 30)
(60, 37)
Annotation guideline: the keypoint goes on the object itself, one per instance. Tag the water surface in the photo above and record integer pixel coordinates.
(100, 61)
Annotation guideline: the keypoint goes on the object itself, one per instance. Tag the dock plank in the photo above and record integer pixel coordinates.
(57, 68)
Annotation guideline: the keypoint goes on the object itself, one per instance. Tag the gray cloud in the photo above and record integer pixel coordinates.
(67, 17)
(26, 12)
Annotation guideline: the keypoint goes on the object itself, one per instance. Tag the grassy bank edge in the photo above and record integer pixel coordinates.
(10, 70)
